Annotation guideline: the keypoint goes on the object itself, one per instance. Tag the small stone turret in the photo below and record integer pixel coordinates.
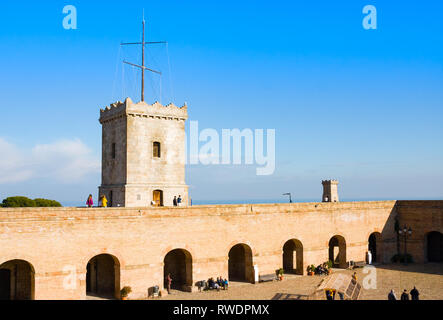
(330, 190)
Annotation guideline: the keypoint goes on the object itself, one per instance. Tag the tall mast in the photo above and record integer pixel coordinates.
(143, 61)
(142, 66)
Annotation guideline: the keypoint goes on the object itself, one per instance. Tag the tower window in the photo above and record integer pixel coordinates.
(156, 152)
(113, 151)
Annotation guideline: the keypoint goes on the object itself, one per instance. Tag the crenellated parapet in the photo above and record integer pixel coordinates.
(333, 181)
(142, 109)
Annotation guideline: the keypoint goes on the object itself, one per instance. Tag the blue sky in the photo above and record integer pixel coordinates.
(361, 106)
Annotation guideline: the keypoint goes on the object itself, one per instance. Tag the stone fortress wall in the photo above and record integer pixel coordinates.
(48, 249)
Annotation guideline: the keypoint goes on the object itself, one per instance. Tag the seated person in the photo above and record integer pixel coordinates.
(225, 284)
(201, 285)
(220, 282)
(318, 270)
(211, 283)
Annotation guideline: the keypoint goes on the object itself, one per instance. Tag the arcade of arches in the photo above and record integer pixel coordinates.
(103, 271)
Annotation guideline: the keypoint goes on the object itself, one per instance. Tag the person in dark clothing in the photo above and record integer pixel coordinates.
(211, 283)
(329, 295)
(174, 201)
(404, 295)
(392, 296)
(414, 294)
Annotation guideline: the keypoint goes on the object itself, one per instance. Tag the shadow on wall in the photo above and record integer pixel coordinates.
(424, 244)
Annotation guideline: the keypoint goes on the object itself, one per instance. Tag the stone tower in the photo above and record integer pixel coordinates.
(143, 154)
(330, 191)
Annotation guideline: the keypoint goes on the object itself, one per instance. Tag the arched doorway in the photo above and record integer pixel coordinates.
(434, 242)
(375, 245)
(157, 197)
(240, 263)
(16, 280)
(337, 251)
(293, 257)
(178, 263)
(103, 276)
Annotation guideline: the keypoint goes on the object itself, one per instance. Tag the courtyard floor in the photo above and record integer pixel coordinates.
(428, 278)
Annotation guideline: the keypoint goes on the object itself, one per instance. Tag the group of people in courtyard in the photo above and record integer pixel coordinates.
(103, 202)
(330, 294)
(221, 283)
(218, 284)
(211, 284)
(405, 295)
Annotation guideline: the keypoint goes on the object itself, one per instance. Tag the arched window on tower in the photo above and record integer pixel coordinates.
(113, 151)
(156, 151)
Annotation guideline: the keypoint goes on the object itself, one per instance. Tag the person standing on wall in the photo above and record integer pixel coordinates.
(404, 295)
(104, 202)
(89, 202)
(391, 295)
(414, 294)
(174, 201)
(179, 200)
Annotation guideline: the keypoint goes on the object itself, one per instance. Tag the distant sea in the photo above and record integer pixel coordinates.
(251, 201)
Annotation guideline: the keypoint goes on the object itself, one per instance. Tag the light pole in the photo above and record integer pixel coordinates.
(405, 232)
(288, 194)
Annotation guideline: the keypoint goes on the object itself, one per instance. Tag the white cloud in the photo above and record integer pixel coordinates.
(64, 161)
(12, 164)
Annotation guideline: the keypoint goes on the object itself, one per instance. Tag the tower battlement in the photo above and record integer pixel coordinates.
(332, 181)
(142, 109)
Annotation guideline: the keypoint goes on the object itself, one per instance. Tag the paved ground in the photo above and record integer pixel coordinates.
(428, 278)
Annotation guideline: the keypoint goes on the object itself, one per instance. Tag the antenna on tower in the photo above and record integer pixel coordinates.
(142, 66)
